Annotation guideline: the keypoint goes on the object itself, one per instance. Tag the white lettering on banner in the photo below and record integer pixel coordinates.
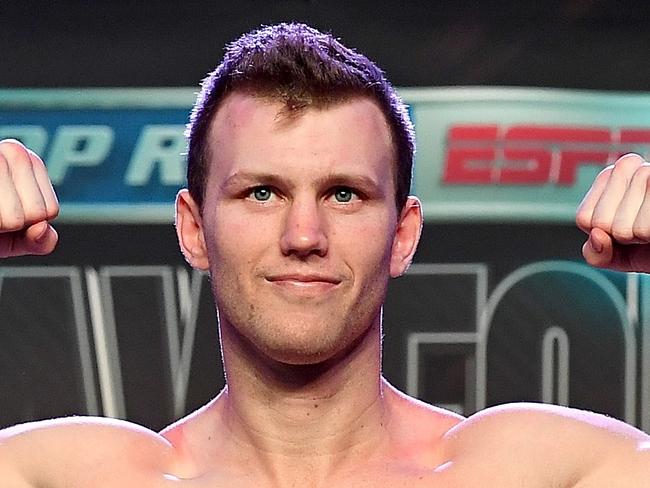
(179, 294)
(33, 136)
(180, 340)
(161, 146)
(189, 294)
(158, 147)
(555, 343)
(624, 326)
(78, 146)
(415, 340)
(70, 278)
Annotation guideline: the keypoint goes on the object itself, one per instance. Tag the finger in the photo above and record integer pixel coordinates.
(598, 250)
(601, 251)
(586, 208)
(45, 186)
(641, 225)
(27, 188)
(629, 225)
(617, 185)
(11, 210)
(39, 239)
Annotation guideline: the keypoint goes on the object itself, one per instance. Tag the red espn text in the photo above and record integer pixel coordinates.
(532, 154)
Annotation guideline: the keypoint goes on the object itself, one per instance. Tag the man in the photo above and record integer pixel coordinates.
(299, 166)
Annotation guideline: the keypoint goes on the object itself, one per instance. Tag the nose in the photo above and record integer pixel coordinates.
(304, 232)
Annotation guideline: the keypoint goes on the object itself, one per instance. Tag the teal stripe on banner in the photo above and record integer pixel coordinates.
(484, 154)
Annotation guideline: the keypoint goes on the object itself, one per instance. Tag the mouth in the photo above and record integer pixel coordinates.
(311, 283)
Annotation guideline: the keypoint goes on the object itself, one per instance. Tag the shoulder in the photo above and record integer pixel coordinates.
(575, 444)
(95, 429)
(54, 449)
(521, 420)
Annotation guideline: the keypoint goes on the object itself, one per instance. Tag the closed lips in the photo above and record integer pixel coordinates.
(304, 278)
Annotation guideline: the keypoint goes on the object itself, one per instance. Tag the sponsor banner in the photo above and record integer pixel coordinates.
(116, 155)
(519, 154)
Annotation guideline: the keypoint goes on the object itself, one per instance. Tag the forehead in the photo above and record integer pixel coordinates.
(247, 129)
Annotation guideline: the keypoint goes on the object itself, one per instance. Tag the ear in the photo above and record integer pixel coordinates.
(189, 229)
(407, 236)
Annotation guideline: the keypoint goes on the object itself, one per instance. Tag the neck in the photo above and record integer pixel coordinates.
(330, 412)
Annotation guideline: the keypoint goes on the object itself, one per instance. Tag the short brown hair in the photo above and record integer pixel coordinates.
(302, 67)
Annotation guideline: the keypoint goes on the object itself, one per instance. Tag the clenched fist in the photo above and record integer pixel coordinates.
(27, 203)
(616, 215)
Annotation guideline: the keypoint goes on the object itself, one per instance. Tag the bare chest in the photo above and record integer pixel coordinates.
(365, 477)
(452, 475)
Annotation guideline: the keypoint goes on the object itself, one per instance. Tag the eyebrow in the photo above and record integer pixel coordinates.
(245, 178)
(362, 182)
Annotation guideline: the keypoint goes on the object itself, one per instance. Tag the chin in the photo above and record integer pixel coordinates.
(299, 337)
(319, 346)
(315, 350)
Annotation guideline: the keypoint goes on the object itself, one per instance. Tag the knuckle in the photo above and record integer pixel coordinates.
(605, 172)
(622, 233)
(629, 161)
(36, 161)
(583, 219)
(601, 223)
(12, 223)
(36, 212)
(33, 155)
(641, 231)
(607, 169)
(13, 150)
(642, 173)
(54, 211)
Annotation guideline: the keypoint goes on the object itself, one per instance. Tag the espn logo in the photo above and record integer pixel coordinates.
(532, 154)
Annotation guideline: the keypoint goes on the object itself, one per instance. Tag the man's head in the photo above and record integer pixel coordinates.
(296, 218)
(300, 67)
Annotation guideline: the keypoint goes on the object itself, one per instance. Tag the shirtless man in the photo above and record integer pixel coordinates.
(299, 167)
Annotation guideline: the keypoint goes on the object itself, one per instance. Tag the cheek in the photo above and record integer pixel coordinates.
(236, 237)
(368, 244)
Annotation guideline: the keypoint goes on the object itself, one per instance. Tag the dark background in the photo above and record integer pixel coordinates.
(569, 44)
(573, 43)
(37, 339)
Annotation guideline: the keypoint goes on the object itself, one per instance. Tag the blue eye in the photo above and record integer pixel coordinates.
(343, 195)
(261, 193)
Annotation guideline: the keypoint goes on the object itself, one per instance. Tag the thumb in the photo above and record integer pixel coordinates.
(602, 251)
(39, 238)
(598, 250)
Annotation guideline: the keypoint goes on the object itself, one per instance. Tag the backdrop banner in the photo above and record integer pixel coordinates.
(116, 155)
(498, 307)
